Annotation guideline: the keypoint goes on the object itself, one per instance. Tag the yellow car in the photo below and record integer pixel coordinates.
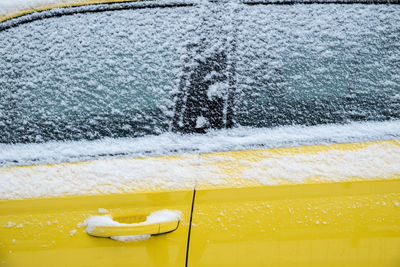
(200, 133)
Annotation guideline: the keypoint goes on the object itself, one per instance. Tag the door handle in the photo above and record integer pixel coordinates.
(158, 222)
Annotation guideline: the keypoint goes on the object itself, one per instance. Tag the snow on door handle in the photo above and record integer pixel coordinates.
(158, 222)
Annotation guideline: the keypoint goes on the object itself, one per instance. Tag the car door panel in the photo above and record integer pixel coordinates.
(49, 230)
(353, 222)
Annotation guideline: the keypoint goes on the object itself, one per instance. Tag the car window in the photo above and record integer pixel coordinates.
(318, 64)
(133, 73)
(90, 75)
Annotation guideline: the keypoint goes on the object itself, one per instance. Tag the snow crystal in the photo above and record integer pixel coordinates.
(218, 89)
(201, 122)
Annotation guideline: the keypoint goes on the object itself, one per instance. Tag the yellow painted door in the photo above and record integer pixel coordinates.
(248, 213)
(50, 230)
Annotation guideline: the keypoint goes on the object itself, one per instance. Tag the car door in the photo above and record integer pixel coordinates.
(84, 97)
(315, 80)
(279, 207)
(50, 230)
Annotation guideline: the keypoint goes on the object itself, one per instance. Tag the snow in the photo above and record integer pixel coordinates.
(201, 122)
(239, 138)
(13, 6)
(130, 238)
(218, 89)
(305, 75)
(376, 161)
(303, 64)
(118, 175)
(115, 79)
(163, 216)
(98, 177)
(154, 218)
(317, 64)
(94, 221)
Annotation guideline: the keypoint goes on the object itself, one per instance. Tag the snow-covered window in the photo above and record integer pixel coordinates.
(317, 64)
(217, 64)
(90, 75)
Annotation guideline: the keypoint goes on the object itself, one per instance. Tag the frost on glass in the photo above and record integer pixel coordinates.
(204, 98)
(219, 64)
(318, 64)
(88, 76)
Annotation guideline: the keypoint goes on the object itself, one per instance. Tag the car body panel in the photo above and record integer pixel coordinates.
(102, 176)
(44, 226)
(51, 232)
(301, 165)
(327, 218)
(293, 219)
(327, 224)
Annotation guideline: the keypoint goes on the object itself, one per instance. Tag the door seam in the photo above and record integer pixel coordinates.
(190, 227)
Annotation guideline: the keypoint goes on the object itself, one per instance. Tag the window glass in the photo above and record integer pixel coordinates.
(90, 75)
(132, 73)
(317, 64)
